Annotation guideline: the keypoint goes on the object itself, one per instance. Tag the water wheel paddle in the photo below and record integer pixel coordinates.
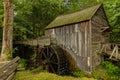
(53, 59)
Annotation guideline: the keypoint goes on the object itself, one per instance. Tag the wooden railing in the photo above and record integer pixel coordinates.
(8, 70)
(112, 49)
(115, 51)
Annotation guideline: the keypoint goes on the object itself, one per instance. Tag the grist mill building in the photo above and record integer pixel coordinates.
(81, 34)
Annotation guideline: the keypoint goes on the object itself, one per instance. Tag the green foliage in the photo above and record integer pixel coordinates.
(107, 71)
(9, 55)
(112, 9)
(33, 15)
(111, 68)
(72, 5)
(22, 63)
(100, 74)
(27, 75)
(38, 69)
(14, 50)
(1, 22)
(1, 13)
(0, 39)
(78, 73)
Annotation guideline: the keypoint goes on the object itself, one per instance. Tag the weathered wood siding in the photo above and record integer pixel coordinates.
(97, 22)
(75, 39)
(83, 40)
(8, 70)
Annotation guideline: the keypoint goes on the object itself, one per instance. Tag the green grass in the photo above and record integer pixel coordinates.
(105, 71)
(28, 75)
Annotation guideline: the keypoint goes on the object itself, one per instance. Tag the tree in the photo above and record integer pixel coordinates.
(32, 16)
(113, 9)
(7, 30)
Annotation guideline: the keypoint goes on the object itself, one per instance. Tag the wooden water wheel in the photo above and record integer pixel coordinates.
(53, 59)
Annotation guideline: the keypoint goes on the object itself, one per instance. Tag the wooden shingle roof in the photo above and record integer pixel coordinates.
(78, 16)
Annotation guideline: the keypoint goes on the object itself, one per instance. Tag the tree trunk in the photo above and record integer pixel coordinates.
(7, 30)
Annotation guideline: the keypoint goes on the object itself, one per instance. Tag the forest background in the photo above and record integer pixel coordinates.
(32, 16)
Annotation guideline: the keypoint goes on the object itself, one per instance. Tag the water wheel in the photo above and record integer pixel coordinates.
(53, 59)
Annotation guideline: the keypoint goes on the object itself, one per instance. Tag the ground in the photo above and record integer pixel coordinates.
(27, 75)
(105, 71)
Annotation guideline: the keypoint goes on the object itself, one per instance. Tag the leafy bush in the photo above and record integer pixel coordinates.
(107, 71)
(110, 68)
(78, 73)
(22, 63)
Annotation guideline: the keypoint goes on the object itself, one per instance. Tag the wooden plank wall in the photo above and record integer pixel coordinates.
(75, 39)
(97, 22)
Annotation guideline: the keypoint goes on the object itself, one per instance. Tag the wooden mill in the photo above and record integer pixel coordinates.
(75, 39)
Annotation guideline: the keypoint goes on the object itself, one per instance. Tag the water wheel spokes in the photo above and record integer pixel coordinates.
(49, 59)
(52, 59)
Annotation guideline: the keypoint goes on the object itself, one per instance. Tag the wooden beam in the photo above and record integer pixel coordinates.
(114, 50)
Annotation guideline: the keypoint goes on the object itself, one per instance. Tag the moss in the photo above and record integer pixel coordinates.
(27, 75)
(9, 55)
(78, 73)
(78, 16)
